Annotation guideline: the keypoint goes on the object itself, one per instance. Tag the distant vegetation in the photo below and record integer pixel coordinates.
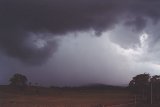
(21, 81)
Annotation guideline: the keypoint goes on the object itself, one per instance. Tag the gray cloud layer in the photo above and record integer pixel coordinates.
(20, 18)
(84, 59)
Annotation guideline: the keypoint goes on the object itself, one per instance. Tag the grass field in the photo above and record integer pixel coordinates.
(55, 97)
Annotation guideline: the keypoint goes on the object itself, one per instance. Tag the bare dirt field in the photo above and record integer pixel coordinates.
(55, 97)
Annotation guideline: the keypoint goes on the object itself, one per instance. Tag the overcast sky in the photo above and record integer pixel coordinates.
(78, 42)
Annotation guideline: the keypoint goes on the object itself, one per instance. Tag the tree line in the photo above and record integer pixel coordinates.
(142, 85)
(146, 87)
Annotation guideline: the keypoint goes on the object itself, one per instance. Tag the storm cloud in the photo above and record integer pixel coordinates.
(28, 27)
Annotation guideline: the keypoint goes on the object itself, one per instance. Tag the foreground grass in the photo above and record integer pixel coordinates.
(54, 97)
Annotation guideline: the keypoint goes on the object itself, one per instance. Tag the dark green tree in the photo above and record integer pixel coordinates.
(140, 82)
(18, 80)
(140, 86)
(155, 81)
(146, 87)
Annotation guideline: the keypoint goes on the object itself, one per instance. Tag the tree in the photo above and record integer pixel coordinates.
(155, 81)
(146, 86)
(140, 82)
(18, 80)
(140, 86)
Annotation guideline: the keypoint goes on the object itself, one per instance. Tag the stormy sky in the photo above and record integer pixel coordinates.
(78, 42)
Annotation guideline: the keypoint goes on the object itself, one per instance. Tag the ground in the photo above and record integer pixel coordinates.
(64, 97)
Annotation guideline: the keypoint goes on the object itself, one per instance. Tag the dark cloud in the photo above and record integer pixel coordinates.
(19, 18)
